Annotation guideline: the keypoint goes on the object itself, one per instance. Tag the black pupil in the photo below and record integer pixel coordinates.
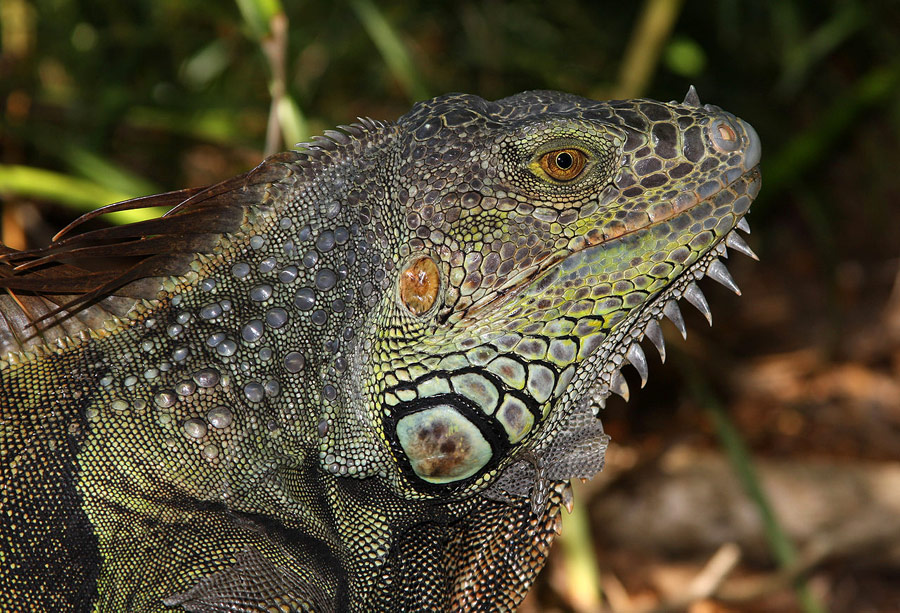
(564, 160)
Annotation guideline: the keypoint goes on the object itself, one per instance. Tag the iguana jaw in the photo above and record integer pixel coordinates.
(534, 275)
(538, 277)
(601, 370)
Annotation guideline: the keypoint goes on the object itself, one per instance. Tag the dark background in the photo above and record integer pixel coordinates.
(758, 470)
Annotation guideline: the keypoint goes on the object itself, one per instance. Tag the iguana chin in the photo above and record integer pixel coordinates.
(360, 376)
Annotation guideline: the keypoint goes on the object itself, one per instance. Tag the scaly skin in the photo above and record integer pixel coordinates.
(370, 392)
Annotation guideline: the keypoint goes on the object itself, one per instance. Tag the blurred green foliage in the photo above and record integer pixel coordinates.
(134, 85)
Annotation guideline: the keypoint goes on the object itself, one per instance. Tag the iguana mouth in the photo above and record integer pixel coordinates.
(606, 377)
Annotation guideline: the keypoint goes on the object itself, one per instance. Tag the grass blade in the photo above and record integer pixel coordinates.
(79, 194)
(392, 48)
(782, 548)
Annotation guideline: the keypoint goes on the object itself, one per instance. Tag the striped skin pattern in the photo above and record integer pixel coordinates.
(370, 392)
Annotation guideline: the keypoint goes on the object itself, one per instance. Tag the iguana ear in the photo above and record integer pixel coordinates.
(50, 289)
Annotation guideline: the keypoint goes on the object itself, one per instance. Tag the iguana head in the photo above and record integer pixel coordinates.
(428, 302)
(540, 238)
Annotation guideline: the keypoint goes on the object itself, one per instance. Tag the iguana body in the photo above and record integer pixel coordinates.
(359, 377)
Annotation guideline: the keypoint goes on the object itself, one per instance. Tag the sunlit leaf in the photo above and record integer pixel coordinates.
(258, 14)
(391, 47)
(79, 194)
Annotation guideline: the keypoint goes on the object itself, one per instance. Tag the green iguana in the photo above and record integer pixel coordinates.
(360, 376)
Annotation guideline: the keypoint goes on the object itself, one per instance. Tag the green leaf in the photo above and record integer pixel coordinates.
(391, 47)
(102, 171)
(294, 128)
(685, 57)
(258, 14)
(199, 70)
(79, 194)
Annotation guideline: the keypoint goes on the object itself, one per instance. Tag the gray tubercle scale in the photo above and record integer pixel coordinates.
(654, 333)
(637, 359)
(618, 385)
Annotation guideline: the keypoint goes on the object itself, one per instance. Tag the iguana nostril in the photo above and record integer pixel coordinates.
(726, 133)
(723, 136)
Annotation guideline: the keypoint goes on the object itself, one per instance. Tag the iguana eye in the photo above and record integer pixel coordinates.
(419, 283)
(563, 164)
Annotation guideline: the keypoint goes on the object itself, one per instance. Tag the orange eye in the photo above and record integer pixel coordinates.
(563, 164)
(419, 285)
